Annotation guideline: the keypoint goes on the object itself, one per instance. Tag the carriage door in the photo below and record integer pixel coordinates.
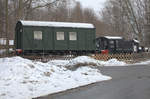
(38, 38)
(19, 38)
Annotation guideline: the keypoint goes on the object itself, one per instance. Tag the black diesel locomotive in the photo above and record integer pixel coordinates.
(113, 45)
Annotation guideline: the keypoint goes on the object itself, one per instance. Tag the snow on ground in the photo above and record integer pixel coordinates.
(23, 79)
(113, 62)
(143, 63)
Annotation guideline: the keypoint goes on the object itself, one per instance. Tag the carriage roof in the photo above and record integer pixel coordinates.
(56, 24)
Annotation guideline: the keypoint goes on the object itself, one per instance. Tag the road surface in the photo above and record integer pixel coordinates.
(130, 82)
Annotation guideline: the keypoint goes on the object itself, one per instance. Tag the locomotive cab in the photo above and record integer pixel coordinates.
(108, 44)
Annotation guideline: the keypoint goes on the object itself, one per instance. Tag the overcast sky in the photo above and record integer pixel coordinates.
(95, 4)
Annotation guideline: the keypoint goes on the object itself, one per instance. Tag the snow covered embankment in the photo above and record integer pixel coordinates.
(23, 79)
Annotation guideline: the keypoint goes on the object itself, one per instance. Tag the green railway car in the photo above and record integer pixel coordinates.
(54, 37)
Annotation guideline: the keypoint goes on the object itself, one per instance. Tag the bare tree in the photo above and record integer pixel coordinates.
(77, 13)
(147, 23)
(50, 10)
(113, 17)
(6, 25)
(22, 9)
(126, 17)
(2, 18)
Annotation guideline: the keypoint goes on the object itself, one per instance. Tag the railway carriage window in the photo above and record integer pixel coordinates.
(60, 36)
(72, 36)
(37, 35)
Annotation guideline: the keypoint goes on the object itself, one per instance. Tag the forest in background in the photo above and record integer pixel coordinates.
(127, 18)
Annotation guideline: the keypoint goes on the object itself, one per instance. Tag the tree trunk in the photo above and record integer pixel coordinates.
(6, 27)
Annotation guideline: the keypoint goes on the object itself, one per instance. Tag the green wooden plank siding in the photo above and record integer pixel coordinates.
(60, 44)
(84, 42)
(48, 39)
(81, 40)
(18, 36)
(27, 38)
(90, 40)
(72, 44)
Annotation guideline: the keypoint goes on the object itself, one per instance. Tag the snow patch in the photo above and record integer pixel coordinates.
(143, 63)
(24, 79)
(82, 61)
(113, 62)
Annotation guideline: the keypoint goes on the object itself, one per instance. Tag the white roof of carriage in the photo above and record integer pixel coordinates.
(57, 24)
(113, 37)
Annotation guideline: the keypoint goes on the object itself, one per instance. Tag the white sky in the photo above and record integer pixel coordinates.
(97, 5)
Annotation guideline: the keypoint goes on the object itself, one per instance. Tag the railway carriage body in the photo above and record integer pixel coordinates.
(54, 37)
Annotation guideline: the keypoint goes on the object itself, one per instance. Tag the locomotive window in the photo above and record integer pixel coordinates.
(111, 42)
(60, 36)
(72, 36)
(38, 35)
(112, 46)
(105, 43)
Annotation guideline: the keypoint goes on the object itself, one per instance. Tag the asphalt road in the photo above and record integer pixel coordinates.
(130, 82)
